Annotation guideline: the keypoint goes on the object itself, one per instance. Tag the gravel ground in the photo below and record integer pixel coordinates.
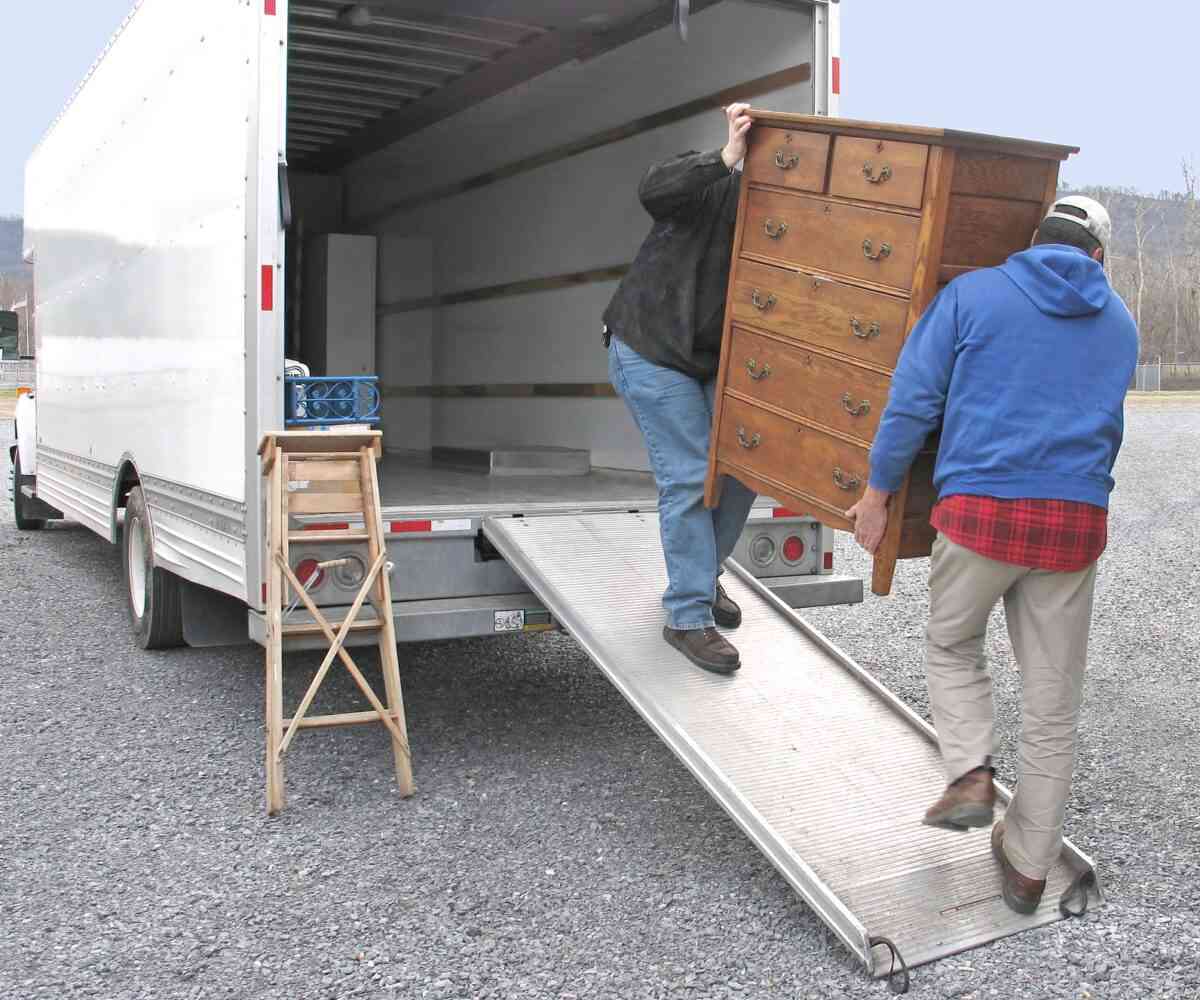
(555, 848)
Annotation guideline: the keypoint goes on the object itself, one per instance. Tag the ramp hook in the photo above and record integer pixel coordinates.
(1083, 881)
(897, 987)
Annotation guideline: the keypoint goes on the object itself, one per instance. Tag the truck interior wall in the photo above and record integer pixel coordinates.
(576, 214)
(404, 342)
(317, 208)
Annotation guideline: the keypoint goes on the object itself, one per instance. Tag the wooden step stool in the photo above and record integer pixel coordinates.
(335, 474)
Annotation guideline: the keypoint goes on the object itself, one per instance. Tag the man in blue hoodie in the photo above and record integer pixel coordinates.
(1024, 368)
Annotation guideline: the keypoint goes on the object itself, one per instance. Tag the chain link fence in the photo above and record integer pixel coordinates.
(1160, 376)
(1148, 378)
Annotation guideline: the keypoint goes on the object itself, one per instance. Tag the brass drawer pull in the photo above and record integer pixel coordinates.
(759, 303)
(876, 178)
(753, 369)
(773, 229)
(749, 443)
(885, 250)
(855, 410)
(786, 162)
(870, 333)
(843, 482)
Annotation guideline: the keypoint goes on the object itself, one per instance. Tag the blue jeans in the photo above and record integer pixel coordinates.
(674, 413)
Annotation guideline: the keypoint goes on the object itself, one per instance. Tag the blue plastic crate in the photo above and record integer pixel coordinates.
(324, 401)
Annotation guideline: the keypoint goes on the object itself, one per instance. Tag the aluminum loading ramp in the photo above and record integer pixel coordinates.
(825, 770)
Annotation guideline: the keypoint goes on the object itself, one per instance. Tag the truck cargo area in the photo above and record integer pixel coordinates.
(466, 258)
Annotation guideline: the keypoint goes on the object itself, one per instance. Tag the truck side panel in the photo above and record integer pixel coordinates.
(136, 213)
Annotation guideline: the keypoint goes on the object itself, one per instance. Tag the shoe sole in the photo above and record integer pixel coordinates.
(961, 818)
(713, 668)
(1017, 905)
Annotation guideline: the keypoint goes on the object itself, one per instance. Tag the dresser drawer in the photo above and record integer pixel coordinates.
(836, 394)
(892, 173)
(820, 311)
(787, 159)
(847, 239)
(805, 460)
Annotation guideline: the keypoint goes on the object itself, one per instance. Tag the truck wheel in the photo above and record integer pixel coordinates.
(24, 523)
(153, 594)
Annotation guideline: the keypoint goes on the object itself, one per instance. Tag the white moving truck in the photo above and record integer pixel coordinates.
(439, 193)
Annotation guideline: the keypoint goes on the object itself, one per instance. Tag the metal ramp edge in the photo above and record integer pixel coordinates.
(822, 767)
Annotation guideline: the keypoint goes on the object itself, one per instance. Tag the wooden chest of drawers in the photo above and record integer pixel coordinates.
(846, 231)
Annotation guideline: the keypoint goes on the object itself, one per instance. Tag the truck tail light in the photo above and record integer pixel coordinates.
(793, 549)
(309, 570)
(829, 559)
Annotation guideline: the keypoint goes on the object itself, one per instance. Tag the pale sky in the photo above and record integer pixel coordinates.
(1114, 77)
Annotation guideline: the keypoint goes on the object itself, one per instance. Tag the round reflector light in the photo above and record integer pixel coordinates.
(762, 550)
(793, 549)
(350, 573)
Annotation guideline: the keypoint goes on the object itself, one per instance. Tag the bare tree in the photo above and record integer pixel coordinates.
(1191, 244)
(1143, 226)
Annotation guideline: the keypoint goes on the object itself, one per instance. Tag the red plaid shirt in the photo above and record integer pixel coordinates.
(1057, 535)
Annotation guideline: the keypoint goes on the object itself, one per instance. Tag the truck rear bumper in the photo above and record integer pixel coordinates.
(815, 591)
(507, 614)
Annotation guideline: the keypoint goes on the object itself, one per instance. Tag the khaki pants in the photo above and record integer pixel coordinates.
(1049, 615)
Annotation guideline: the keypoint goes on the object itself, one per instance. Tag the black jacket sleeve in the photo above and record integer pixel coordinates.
(679, 184)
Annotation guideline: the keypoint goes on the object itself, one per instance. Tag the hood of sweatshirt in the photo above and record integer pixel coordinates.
(1059, 280)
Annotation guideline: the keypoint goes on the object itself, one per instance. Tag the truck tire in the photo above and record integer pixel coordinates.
(24, 522)
(153, 594)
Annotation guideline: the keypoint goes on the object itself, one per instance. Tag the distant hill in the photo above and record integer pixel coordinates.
(12, 232)
(1165, 217)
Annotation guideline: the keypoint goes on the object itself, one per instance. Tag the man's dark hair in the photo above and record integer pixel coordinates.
(1064, 231)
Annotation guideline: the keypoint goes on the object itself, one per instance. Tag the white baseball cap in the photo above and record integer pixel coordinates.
(1086, 212)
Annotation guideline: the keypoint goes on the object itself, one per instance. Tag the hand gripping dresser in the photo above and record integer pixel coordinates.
(846, 230)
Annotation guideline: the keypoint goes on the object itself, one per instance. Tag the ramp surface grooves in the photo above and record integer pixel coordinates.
(825, 770)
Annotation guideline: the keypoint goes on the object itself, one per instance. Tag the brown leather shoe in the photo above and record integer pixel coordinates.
(1021, 893)
(706, 648)
(967, 802)
(725, 612)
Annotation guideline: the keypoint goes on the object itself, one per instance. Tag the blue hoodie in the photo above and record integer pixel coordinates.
(1025, 368)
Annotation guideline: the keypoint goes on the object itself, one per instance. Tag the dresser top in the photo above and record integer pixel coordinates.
(915, 133)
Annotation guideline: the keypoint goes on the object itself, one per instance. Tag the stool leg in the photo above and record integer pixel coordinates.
(276, 526)
(395, 703)
(275, 789)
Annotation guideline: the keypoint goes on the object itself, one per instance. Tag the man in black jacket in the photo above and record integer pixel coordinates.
(663, 331)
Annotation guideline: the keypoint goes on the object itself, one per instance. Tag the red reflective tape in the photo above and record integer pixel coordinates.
(269, 7)
(783, 512)
(264, 600)
(329, 526)
(268, 288)
(837, 74)
(829, 560)
(402, 526)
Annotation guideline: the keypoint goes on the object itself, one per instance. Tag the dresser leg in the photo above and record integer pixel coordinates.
(712, 489)
(883, 571)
